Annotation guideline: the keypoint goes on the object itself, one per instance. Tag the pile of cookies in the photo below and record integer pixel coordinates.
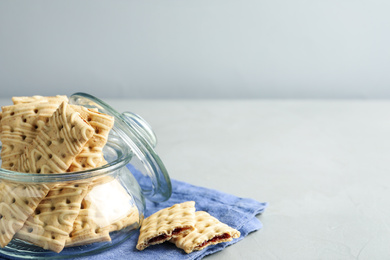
(46, 135)
(188, 229)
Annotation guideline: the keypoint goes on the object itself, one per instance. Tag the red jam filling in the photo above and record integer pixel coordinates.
(177, 231)
(214, 239)
(165, 236)
(158, 238)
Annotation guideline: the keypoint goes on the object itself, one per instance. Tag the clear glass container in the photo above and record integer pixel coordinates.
(116, 192)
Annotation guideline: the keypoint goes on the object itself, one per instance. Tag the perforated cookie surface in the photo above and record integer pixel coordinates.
(20, 125)
(85, 228)
(17, 202)
(53, 219)
(91, 155)
(57, 144)
(107, 207)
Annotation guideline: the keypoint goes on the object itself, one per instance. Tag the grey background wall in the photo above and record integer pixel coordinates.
(196, 48)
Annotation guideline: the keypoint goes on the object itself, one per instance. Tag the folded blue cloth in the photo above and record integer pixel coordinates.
(236, 212)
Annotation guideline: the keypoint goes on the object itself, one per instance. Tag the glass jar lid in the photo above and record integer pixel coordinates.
(137, 134)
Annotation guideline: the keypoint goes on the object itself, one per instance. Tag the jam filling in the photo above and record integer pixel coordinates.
(215, 239)
(158, 238)
(165, 236)
(177, 231)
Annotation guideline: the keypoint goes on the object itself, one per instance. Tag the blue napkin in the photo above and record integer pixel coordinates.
(236, 212)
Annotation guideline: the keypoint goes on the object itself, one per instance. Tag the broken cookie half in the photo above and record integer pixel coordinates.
(178, 220)
(208, 231)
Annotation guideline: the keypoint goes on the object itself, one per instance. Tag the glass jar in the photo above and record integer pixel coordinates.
(113, 208)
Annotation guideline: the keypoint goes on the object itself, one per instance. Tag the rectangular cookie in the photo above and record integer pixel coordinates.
(20, 125)
(92, 153)
(85, 228)
(17, 203)
(208, 231)
(24, 100)
(23, 121)
(166, 224)
(37, 99)
(57, 144)
(53, 219)
(106, 208)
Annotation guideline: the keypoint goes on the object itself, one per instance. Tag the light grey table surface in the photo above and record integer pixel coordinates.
(323, 166)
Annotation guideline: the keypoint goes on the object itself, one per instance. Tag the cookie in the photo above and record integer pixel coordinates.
(92, 153)
(85, 228)
(17, 202)
(167, 223)
(208, 231)
(57, 144)
(53, 219)
(20, 125)
(24, 100)
(106, 208)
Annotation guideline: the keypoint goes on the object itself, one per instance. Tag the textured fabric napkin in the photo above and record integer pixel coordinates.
(236, 212)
